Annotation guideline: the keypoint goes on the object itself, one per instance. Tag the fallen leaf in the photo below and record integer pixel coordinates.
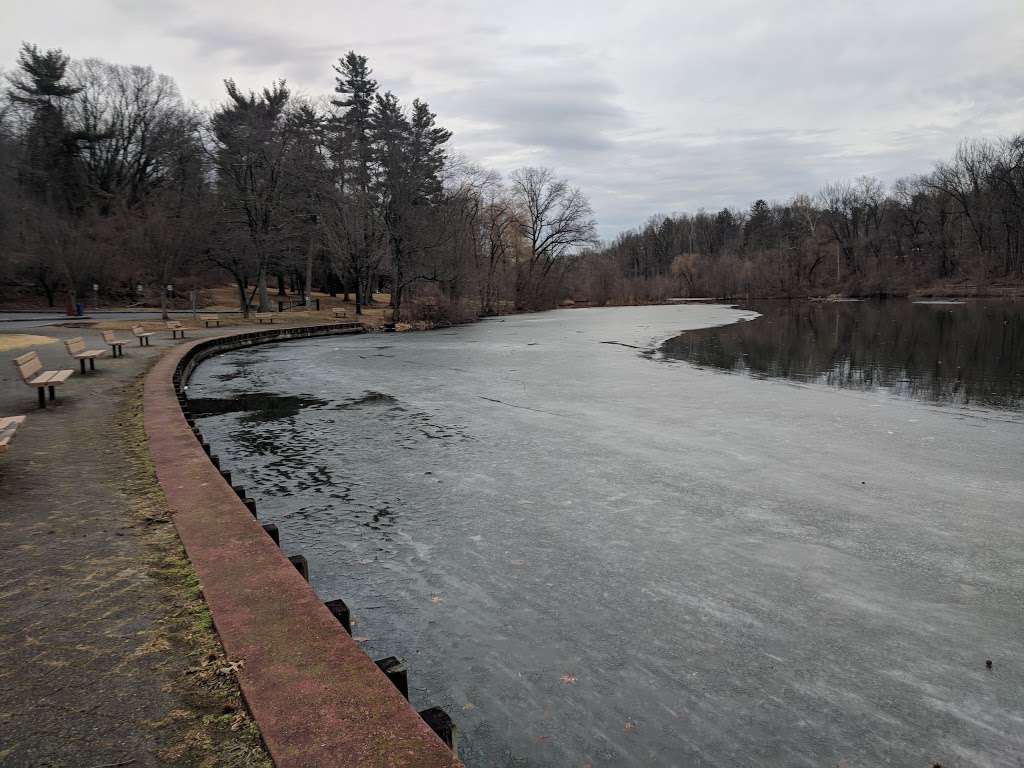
(541, 739)
(231, 668)
(467, 706)
(436, 599)
(630, 726)
(360, 639)
(567, 679)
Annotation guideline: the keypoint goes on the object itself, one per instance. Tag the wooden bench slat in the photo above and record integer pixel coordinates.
(8, 427)
(29, 366)
(50, 378)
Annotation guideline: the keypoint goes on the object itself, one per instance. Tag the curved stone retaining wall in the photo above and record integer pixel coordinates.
(318, 698)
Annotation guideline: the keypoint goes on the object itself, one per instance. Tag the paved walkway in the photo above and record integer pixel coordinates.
(106, 653)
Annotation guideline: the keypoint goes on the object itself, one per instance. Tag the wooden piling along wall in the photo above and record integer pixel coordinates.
(316, 696)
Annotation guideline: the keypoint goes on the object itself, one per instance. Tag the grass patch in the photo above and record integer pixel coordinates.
(209, 725)
(12, 341)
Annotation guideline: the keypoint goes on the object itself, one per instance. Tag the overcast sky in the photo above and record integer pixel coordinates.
(647, 106)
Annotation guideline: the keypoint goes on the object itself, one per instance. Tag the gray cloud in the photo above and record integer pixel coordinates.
(649, 107)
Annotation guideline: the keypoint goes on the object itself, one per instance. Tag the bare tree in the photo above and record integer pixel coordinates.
(140, 127)
(554, 220)
(965, 180)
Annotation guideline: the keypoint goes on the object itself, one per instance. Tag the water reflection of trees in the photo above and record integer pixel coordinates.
(961, 354)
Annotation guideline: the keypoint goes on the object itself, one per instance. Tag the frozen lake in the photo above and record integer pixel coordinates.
(590, 554)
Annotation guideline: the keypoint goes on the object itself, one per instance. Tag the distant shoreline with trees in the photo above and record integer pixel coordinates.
(958, 230)
(110, 181)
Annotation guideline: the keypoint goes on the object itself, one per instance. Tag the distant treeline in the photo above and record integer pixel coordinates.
(109, 178)
(958, 228)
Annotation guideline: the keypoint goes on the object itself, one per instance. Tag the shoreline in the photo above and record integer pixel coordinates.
(315, 695)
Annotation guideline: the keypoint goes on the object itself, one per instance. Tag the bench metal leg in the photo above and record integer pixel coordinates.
(53, 393)
(42, 396)
(81, 363)
(92, 364)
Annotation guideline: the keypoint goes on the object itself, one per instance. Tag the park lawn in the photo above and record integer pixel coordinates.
(12, 341)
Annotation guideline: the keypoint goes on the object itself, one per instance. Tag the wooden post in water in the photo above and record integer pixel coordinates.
(301, 565)
(442, 725)
(273, 532)
(396, 673)
(340, 611)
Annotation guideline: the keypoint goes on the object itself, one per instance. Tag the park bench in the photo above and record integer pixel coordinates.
(268, 316)
(116, 344)
(8, 426)
(142, 334)
(30, 368)
(175, 328)
(76, 348)
(210, 319)
(339, 312)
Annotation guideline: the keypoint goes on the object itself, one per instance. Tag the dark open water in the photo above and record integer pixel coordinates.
(969, 353)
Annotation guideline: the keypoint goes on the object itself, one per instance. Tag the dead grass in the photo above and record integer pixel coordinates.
(211, 727)
(12, 341)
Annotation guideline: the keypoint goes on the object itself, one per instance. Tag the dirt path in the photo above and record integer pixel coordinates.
(107, 655)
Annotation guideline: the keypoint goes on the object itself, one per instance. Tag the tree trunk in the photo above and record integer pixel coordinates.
(280, 284)
(359, 295)
(396, 280)
(48, 290)
(309, 275)
(261, 287)
(243, 304)
(396, 302)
